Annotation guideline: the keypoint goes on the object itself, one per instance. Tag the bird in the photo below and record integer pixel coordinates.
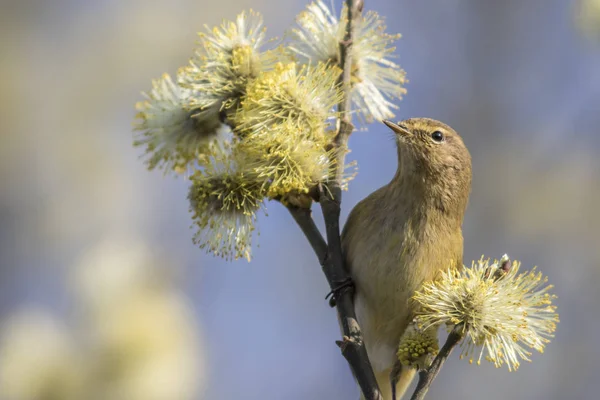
(404, 234)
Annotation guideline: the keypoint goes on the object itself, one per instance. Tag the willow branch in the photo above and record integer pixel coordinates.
(426, 377)
(352, 345)
(329, 252)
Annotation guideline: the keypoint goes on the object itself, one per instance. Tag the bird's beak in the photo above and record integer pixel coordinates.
(399, 129)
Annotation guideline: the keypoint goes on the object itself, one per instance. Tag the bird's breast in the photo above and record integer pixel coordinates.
(389, 259)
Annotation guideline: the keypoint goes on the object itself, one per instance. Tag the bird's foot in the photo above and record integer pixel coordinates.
(338, 289)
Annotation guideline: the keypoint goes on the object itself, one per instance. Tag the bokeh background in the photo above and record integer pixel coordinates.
(104, 296)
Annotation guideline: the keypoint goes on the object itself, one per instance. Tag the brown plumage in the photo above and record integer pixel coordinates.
(403, 234)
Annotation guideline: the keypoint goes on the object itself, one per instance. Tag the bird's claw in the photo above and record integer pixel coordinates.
(335, 292)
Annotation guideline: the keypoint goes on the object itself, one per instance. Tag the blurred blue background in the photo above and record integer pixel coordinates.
(520, 80)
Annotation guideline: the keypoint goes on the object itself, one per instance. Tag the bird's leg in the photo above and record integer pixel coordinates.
(395, 377)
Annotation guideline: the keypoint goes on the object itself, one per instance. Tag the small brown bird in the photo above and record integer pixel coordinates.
(403, 234)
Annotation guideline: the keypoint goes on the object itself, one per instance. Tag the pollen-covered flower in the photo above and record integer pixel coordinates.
(418, 347)
(228, 58)
(39, 359)
(587, 15)
(376, 80)
(289, 164)
(301, 99)
(283, 124)
(503, 312)
(141, 339)
(147, 348)
(174, 134)
(224, 199)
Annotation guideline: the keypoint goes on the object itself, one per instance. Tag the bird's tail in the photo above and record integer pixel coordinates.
(383, 380)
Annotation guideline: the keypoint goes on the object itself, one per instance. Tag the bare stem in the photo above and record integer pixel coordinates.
(303, 218)
(426, 377)
(329, 252)
(352, 344)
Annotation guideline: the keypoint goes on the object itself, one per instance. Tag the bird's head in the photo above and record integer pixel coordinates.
(432, 154)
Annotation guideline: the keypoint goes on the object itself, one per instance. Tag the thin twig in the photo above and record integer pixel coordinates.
(303, 218)
(329, 253)
(352, 345)
(426, 377)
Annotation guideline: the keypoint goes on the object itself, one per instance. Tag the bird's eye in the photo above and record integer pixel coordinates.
(437, 136)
